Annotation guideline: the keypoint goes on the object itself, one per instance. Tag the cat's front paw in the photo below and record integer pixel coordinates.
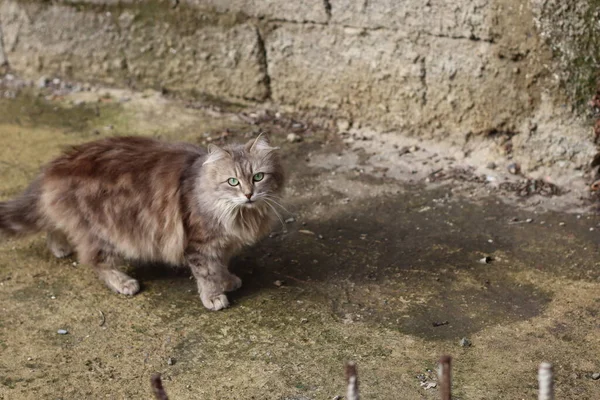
(215, 302)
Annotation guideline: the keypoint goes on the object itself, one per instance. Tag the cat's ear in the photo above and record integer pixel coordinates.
(215, 153)
(260, 144)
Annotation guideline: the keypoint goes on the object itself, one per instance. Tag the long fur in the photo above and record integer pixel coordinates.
(20, 216)
(143, 199)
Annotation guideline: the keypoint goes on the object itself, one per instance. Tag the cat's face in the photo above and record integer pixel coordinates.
(245, 176)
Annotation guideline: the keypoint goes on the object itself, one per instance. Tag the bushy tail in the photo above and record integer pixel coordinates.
(21, 216)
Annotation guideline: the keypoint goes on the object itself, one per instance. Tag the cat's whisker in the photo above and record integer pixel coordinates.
(276, 213)
(277, 203)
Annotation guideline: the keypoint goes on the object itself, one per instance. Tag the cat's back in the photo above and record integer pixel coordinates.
(125, 191)
(111, 158)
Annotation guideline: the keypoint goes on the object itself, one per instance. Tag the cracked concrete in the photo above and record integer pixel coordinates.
(369, 263)
(3, 58)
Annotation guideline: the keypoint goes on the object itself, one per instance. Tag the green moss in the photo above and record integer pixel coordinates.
(583, 79)
(29, 109)
(9, 382)
(573, 34)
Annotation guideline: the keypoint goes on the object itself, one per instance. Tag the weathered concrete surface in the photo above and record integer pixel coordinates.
(385, 260)
(299, 11)
(458, 19)
(389, 78)
(220, 56)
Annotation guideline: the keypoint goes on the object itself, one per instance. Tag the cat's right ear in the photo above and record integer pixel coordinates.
(215, 153)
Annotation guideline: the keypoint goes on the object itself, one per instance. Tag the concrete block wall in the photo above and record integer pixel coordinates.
(439, 69)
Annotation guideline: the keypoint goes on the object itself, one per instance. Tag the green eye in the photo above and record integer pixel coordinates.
(233, 181)
(258, 177)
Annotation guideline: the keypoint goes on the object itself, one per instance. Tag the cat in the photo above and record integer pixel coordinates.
(136, 198)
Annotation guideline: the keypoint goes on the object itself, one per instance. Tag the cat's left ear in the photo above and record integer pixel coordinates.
(260, 144)
(215, 153)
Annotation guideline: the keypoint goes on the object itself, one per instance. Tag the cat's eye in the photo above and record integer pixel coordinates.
(233, 181)
(258, 177)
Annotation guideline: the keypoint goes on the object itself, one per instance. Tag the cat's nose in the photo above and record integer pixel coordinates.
(248, 195)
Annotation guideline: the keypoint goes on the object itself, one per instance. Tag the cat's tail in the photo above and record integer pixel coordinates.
(21, 215)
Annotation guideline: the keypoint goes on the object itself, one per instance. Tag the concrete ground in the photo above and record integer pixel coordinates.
(372, 268)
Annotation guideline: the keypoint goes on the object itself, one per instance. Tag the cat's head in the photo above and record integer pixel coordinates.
(245, 176)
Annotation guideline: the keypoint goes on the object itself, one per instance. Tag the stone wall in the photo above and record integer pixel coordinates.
(143, 45)
(436, 68)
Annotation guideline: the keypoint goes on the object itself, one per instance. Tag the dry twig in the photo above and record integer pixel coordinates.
(352, 380)
(157, 387)
(445, 377)
(545, 382)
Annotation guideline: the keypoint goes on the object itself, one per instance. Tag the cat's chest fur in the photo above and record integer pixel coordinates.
(229, 235)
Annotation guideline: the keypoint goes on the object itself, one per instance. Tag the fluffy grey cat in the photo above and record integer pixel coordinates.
(142, 199)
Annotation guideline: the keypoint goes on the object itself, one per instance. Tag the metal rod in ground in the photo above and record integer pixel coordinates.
(352, 381)
(157, 387)
(445, 377)
(545, 382)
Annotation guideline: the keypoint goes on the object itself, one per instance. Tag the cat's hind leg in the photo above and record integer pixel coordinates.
(116, 280)
(105, 265)
(58, 244)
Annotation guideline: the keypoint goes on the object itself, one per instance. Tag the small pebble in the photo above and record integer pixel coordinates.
(306, 232)
(491, 165)
(171, 361)
(529, 220)
(561, 224)
(343, 125)
(596, 376)
(514, 168)
(303, 320)
(404, 150)
(485, 260)
(62, 331)
(43, 82)
(278, 283)
(293, 138)
(464, 342)
(290, 220)
(591, 229)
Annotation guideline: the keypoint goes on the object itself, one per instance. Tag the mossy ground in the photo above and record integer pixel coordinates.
(385, 261)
